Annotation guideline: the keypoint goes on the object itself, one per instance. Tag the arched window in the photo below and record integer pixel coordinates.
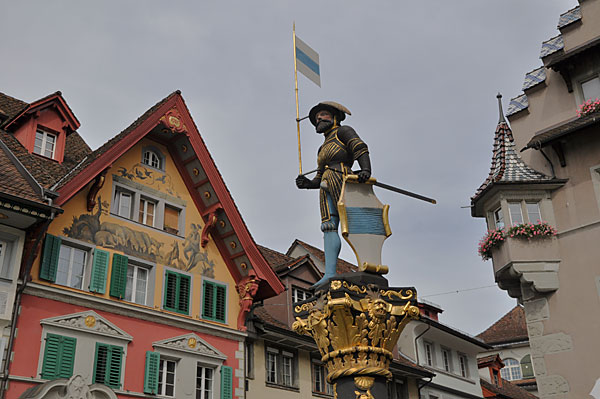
(153, 159)
(526, 367)
(511, 370)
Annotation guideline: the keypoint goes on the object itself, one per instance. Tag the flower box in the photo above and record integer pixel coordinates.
(522, 250)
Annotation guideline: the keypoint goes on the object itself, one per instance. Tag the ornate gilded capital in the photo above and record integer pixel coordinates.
(356, 327)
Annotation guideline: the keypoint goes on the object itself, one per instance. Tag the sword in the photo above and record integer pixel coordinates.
(388, 187)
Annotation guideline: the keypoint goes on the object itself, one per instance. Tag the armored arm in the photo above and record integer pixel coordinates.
(358, 149)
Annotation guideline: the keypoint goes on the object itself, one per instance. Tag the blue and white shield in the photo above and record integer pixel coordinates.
(364, 222)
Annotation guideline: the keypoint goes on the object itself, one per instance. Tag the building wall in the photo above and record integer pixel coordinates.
(29, 346)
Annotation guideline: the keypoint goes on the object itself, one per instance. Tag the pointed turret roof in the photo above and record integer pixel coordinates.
(507, 165)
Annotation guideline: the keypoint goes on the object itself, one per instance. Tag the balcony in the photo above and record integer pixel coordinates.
(527, 268)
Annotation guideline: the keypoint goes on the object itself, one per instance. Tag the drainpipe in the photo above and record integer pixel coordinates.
(417, 353)
(27, 264)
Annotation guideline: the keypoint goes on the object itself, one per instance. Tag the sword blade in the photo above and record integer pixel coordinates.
(407, 193)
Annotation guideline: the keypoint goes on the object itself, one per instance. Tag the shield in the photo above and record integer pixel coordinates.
(364, 222)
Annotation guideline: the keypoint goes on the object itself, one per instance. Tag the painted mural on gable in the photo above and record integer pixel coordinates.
(189, 256)
(149, 177)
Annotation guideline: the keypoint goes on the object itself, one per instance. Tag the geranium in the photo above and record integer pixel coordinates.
(589, 107)
(494, 238)
(530, 230)
(491, 240)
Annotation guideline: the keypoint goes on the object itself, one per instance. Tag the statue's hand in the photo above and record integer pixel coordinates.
(303, 182)
(364, 175)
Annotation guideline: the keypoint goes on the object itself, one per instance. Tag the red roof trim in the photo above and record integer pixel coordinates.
(63, 108)
(263, 270)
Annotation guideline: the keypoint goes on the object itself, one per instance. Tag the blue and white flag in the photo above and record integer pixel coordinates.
(307, 61)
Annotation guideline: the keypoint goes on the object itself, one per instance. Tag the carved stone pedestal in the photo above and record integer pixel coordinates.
(356, 320)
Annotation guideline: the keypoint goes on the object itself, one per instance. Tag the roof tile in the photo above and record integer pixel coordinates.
(534, 78)
(517, 104)
(509, 328)
(569, 17)
(507, 390)
(551, 46)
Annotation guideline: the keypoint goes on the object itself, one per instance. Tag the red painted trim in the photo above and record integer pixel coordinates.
(262, 268)
(63, 109)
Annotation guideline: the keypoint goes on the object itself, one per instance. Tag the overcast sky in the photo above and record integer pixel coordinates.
(420, 78)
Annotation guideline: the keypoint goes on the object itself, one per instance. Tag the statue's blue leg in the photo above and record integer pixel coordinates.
(332, 242)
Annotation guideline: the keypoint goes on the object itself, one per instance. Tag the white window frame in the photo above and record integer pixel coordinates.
(143, 212)
(586, 80)
(152, 159)
(45, 142)
(319, 375)
(299, 292)
(279, 358)
(118, 198)
(498, 218)
(463, 363)
(202, 388)
(429, 353)
(136, 269)
(86, 264)
(512, 371)
(5, 265)
(447, 360)
(162, 385)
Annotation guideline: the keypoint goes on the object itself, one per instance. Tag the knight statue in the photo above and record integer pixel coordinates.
(341, 147)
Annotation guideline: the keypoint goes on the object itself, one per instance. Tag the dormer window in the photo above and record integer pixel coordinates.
(45, 144)
(153, 159)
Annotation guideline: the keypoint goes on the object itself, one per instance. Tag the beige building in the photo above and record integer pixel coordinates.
(555, 179)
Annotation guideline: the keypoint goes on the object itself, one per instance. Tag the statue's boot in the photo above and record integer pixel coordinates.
(333, 245)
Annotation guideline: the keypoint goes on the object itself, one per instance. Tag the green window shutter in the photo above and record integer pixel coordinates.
(113, 378)
(183, 299)
(118, 277)
(526, 367)
(220, 302)
(67, 358)
(226, 382)
(151, 373)
(59, 357)
(177, 292)
(170, 291)
(208, 300)
(99, 269)
(50, 258)
(107, 365)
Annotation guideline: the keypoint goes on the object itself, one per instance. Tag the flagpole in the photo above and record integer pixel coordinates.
(297, 109)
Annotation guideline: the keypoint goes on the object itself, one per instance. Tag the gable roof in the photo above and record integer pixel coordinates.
(170, 123)
(60, 105)
(342, 265)
(509, 328)
(507, 390)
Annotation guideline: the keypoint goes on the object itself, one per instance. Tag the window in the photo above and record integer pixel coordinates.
(299, 295)
(463, 362)
(280, 367)
(177, 292)
(591, 88)
(526, 367)
(123, 203)
(214, 301)
(147, 212)
(446, 359)
(516, 216)
(44, 144)
(166, 377)
(204, 382)
(148, 207)
(152, 159)
(511, 370)
(171, 223)
(71, 266)
(498, 218)
(320, 384)
(137, 282)
(5, 265)
(429, 353)
(107, 365)
(59, 356)
(533, 212)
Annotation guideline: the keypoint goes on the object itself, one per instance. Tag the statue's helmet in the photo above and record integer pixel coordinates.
(336, 109)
